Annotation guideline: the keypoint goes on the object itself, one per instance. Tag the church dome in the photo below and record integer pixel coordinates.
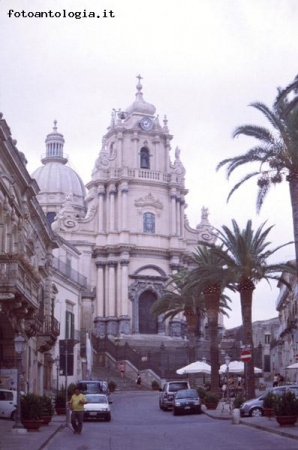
(139, 105)
(55, 179)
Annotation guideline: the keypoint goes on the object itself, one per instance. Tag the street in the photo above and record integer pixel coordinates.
(138, 423)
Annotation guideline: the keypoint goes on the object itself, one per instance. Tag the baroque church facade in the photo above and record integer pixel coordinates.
(128, 224)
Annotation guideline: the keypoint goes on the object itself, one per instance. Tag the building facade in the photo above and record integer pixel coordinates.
(134, 232)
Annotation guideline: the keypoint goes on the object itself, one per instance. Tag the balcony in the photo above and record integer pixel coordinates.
(47, 336)
(70, 273)
(19, 278)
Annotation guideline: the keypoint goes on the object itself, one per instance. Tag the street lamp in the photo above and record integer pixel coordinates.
(227, 361)
(19, 345)
(57, 362)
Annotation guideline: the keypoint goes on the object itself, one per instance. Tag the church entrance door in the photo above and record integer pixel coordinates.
(147, 322)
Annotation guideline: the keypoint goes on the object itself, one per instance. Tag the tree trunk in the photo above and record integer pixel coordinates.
(212, 306)
(293, 186)
(246, 292)
(191, 322)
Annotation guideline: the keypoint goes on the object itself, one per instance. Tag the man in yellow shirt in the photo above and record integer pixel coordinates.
(76, 404)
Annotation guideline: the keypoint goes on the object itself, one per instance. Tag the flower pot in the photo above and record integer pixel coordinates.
(286, 420)
(211, 405)
(268, 412)
(46, 420)
(32, 424)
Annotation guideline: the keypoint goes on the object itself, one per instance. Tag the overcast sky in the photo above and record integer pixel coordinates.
(202, 63)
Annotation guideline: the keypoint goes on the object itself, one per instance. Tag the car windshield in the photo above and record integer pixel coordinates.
(176, 387)
(187, 393)
(96, 398)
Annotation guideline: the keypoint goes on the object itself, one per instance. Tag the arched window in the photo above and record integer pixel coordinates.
(149, 222)
(145, 158)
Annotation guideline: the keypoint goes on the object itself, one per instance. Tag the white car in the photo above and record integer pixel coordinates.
(98, 407)
(8, 404)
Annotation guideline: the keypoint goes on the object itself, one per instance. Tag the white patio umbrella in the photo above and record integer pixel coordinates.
(236, 367)
(293, 366)
(195, 367)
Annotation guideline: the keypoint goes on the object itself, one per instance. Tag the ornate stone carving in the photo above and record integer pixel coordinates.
(148, 201)
(178, 167)
(105, 157)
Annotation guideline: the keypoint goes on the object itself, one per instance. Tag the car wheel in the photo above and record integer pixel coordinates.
(13, 416)
(108, 418)
(256, 412)
(199, 411)
(175, 413)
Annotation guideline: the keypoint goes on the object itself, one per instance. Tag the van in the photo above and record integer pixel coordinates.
(93, 387)
(8, 404)
(166, 398)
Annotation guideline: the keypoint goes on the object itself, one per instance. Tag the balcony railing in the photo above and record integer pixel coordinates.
(51, 326)
(69, 272)
(17, 278)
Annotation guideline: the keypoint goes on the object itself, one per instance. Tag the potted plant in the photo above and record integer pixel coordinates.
(268, 404)
(112, 385)
(286, 408)
(201, 393)
(211, 400)
(31, 411)
(47, 409)
(155, 385)
(238, 400)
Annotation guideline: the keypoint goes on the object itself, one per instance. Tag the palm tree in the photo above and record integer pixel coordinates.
(246, 253)
(211, 276)
(194, 293)
(178, 298)
(276, 153)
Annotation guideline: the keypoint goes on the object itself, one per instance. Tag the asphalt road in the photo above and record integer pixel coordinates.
(138, 424)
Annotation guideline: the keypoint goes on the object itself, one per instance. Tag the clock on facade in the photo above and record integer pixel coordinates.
(146, 123)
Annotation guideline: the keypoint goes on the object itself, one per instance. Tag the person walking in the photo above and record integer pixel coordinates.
(122, 369)
(138, 381)
(76, 403)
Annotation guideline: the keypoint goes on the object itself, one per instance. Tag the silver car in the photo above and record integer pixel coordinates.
(254, 407)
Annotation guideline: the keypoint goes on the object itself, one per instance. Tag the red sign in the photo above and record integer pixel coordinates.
(245, 356)
(296, 357)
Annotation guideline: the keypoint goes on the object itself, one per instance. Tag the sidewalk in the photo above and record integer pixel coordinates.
(261, 423)
(31, 440)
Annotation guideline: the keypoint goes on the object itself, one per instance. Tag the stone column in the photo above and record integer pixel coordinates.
(112, 193)
(173, 213)
(124, 191)
(124, 311)
(100, 289)
(135, 140)
(178, 227)
(101, 213)
(120, 148)
(111, 303)
(182, 203)
(156, 142)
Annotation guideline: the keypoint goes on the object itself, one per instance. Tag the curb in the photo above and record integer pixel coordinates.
(60, 428)
(271, 430)
(216, 417)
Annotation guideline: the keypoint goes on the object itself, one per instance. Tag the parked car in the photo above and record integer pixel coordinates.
(94, 387)
(166, 398)
(98, 407)
(8, 404)
(186, 401)
(254, 407)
